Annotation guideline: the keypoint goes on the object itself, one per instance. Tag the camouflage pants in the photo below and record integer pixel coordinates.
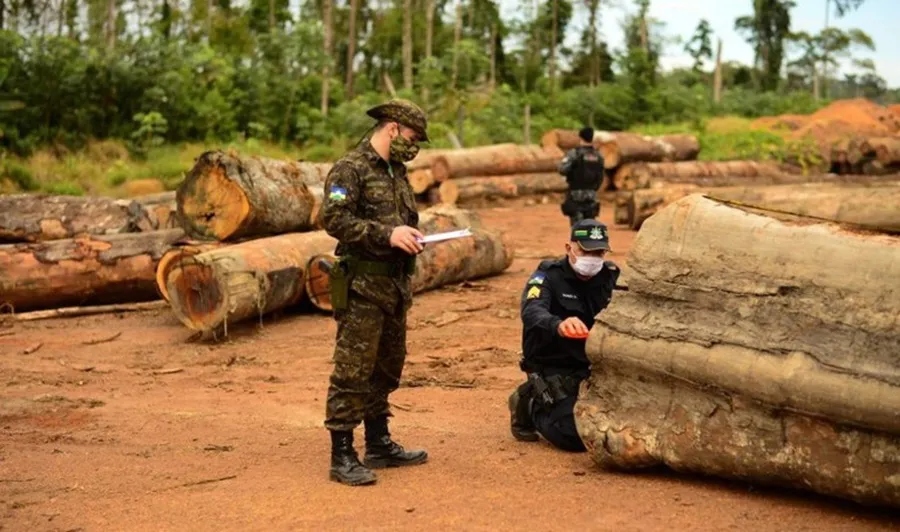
(580, 205)
(368, 362)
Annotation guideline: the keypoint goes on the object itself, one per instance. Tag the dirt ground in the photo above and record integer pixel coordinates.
(154, 430)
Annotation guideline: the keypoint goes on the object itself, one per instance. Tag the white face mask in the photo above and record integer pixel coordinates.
(588, 266)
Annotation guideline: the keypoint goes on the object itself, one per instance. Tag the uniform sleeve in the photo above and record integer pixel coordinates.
(339, 212)
(566, 164)
(535, 307)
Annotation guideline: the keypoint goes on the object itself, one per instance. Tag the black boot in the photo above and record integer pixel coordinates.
(520, 423)
(382, 451)
(345, 466)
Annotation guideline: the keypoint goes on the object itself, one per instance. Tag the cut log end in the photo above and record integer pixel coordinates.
(200, 301)
(217, 207)
(174, 258)
(318, 283)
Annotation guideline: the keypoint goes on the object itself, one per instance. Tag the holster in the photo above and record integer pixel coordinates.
(348, 266)
(554, 388)
(340, 276)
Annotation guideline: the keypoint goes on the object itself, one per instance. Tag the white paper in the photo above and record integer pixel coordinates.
(449, 235)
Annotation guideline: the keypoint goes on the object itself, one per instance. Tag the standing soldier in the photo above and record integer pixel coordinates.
(583, 168)
(370, 209)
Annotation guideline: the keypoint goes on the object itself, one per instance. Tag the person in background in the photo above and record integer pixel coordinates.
(583, 169)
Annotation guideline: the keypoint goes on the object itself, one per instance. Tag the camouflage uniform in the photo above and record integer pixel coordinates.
(366, 197)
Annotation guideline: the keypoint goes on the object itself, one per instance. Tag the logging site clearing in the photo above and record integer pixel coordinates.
(165, 358)
(121, 421)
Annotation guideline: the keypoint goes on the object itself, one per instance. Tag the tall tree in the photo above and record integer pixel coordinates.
(351, 46)
(700, 45)
(407, 45)
(328, 38)
(766, 30)
(841, 8)
(826, 47)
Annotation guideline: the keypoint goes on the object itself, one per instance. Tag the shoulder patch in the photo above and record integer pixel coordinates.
(336, 193)
(533, 293)
(536, 279)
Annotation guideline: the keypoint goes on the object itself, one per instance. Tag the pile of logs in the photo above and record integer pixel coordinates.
(754, 346)
(485, 172)
(234, 242)
(866, 155)
(860, 199)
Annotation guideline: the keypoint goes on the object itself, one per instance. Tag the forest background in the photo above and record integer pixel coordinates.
(99, 94)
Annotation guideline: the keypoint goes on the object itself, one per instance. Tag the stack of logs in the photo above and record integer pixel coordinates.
(752, 345)
(645, 188)
(485, 172)
(235, 241)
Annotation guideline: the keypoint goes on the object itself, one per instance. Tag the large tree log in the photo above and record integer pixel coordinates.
(216, 288)
(705, 173)
(498, 159)
(622, 148)
(685, 147)
(92, 270)
(885, 149)
(560, 139)
(867, 201)
(744, 349)
(175, 258)
(510, 186)
(424, 159)
(226, 196)
(155, 211)
(484, 254)
(40, 217)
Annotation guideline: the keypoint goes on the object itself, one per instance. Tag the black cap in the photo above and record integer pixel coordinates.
(591, 235)
(586, 134)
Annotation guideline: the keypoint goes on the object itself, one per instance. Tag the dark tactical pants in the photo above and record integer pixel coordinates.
(557, 424)
(368, 362)
(580, 205)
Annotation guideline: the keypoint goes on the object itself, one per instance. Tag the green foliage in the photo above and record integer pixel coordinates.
(18, 175)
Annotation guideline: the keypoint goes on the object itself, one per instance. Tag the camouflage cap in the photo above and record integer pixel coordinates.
(404, 112)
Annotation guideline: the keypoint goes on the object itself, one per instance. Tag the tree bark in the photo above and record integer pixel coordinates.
(424, 159)
(622, 148)
(111, 24)
(873, 205)
(484, 254)
(593, 5)
(708, 173)
(560, 139)
(271, 15)
(429, 38)
(226, 196)
(509, 186)
(496, 159)
(328, 20)
(717, 75)
(407, 46)
(351, 46)
(742, 349)
(457, 32)
(553, 30)
(89, 270)
(492, 79)
(39, 217)
(212, 290)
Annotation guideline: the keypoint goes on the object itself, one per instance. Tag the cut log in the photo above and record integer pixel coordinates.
(868, 202)
(227, 197)
(424, 159)
(421, 180)
(498, 159)
(486, 253)
(622, 148)
(511, 186)
(885, 149)
(41, 217)
(560, 139)
(707, 173)
(175, 257)
(445, 193)
(92, 270)
(224, 286)
(743, 349)
(686, 147)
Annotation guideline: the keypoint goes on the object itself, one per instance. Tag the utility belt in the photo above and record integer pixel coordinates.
(348, 266)
(552, 389)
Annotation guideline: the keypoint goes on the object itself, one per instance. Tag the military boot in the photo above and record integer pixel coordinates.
(382, 451)
(520, 423)
(345, 465)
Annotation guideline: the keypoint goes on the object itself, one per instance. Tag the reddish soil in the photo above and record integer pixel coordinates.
(156, 431)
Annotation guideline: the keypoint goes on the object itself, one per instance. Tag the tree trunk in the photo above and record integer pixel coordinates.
(492, 80)
(496, 159)
(175, 257)
(457, 32)
(560, 139)
(484, 254)
(621, 148)
(209, 16)
(707, 173)
(592, 42)
(111, 24)
(553, 30)
(526, 134)
(742, 349)
(717, 76)
(226, 197)
(327, 19)
(224, 286)
(34, 218)
(271, 15)
(89, 270)
(871, 205)
(509, 186)
(351, 47)
(429, 37)
(407, 46)
(424, 159)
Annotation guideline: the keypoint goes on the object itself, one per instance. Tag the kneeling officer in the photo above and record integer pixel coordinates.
(558, 306)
